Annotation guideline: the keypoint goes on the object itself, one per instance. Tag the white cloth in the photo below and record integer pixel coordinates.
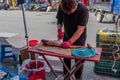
(4, 36)
(17, 41)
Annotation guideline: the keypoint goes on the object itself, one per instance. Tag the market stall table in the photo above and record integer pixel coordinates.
(62, 53)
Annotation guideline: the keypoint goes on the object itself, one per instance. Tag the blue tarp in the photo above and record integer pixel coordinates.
(115, 6)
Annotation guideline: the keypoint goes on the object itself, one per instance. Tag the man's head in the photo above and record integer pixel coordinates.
(68, 6)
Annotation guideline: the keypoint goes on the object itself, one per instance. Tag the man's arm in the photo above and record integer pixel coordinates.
(77, 34)
(59, 26)
(60, 32)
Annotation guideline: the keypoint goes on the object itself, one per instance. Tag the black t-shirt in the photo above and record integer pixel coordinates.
(71, 22)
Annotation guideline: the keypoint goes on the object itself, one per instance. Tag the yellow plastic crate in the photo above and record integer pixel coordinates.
(108, 36)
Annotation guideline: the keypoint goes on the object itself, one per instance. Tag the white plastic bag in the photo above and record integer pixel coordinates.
(59, 77)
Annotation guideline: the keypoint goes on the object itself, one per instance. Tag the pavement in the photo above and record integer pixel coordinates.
(14, 8)
(88, 72)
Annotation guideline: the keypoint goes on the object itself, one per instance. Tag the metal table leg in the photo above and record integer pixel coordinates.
(66, 67)
(73, 70)
(49, 65)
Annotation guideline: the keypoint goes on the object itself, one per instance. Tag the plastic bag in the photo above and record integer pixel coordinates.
(2, 74)
(59, 77)
(30, 67)
(15, 78)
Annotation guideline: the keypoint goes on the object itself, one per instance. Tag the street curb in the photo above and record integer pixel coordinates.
(14, 8)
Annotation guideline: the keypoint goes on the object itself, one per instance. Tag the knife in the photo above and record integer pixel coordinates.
(93, 49)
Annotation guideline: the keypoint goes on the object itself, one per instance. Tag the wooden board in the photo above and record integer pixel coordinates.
(54, 49)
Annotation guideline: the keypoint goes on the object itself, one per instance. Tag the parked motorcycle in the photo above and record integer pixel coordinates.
(39, 7)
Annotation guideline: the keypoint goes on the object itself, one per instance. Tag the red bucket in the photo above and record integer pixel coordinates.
(34, 68)
(33, 43)
(40, 75)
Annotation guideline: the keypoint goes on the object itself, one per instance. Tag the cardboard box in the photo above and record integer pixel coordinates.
(25, 55)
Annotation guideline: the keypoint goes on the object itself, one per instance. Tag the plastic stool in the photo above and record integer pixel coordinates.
(4, 53)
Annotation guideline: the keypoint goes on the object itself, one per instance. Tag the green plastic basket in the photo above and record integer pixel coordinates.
(104, 67)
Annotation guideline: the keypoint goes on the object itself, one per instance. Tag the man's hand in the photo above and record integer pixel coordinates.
(60, 33)
(66, 44)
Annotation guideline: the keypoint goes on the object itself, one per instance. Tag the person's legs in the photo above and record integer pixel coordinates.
(68, 64)
(78, 73)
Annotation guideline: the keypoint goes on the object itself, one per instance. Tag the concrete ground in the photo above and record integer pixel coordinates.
(88, 73)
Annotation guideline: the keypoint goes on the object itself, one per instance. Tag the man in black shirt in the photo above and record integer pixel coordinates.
(74, 17)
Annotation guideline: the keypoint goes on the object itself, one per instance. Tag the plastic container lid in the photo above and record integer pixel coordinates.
(83, 52)
(33, 43)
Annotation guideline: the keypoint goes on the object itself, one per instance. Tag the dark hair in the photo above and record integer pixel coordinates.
(68, 5)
